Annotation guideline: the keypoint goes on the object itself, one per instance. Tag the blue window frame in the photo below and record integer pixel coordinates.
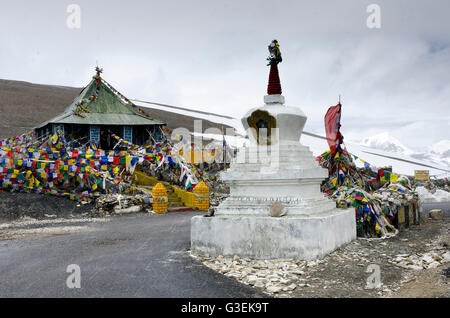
(128, 133)
(94, 133)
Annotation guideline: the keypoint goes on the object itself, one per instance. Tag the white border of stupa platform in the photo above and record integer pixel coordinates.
(296, 237)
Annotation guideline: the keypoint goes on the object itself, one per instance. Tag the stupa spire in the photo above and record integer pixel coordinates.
(274, 86)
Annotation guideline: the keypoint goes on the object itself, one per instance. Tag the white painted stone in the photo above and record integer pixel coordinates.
(427, 258)
(446, 256)
(415, 267)
(433, 264)
(274, 289)
(131, 209)
(292, 286)
(259, 284)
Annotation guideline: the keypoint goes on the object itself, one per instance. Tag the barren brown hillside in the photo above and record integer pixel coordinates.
(24, 105)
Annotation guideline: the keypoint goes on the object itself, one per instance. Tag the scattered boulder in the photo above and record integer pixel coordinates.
(436, 214)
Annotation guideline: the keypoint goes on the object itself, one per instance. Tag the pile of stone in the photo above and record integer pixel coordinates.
(280, 276)
(419, 261)
(122, 204)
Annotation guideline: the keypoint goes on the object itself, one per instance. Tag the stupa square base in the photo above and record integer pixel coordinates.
(265, 237)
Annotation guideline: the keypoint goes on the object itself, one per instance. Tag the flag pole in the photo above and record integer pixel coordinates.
(224, 149)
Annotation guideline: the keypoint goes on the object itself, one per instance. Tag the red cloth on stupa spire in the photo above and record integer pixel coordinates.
(274, 87)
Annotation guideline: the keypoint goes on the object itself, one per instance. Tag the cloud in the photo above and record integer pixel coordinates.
(211, 56)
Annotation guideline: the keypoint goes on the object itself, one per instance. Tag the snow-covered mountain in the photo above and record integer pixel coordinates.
(386, 142)
(438, 153)
(441, 148)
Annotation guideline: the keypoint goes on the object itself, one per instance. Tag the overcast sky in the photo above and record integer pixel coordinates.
(210, 55)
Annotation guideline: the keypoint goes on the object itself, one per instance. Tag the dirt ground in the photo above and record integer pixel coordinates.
(33, 215)
(14, 206)
(344, 272)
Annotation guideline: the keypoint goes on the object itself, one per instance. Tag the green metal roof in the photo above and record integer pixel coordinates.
(106, 119)
(107, 109)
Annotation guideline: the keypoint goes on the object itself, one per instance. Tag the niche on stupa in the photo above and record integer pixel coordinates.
(261, 124)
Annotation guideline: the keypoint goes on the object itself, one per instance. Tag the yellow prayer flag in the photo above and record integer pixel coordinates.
(334, 181)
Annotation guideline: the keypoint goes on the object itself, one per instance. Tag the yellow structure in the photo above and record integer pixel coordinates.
(401, 215)
(159, 194)
(187, 197)
(201, 192)
(143, 179)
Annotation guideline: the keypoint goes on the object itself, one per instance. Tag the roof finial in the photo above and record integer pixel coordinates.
(98, 70)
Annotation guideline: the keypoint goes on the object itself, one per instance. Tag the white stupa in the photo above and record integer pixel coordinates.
(275, 208)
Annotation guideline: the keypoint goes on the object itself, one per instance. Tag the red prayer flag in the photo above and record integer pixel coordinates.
(332, 125)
